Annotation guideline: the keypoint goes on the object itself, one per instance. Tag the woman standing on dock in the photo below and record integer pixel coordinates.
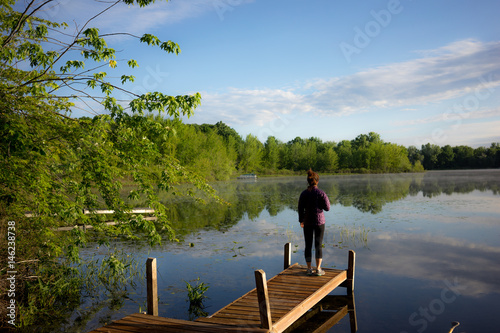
(312, 203)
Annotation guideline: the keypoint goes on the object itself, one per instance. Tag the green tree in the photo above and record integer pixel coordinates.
(328, 160)
(201, 149)
(480, 158)
(464, 156)
(188, 143)
(54, 165)
(379, 156)
(215, 160)
(446, 157)
(271, 153)
(362, 158)
(362, 154)
(344, 152)
(227, 132)
(430, 153)
(250, 154)
(415, 155)
(361, 141)
(374, 137)
(309, 159)
(398, 160)
(295, 154)
(494, 155)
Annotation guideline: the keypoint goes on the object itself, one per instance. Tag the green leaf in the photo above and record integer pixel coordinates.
(170, 47)
(125, 78)
(132, 63)
(150, 39)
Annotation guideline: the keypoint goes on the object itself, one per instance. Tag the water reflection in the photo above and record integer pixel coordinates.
(424, 242)
(473, 269)
(419, 239)
(366, 193)
(327, 314)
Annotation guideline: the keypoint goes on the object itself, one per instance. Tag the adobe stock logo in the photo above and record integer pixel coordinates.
(462, 110)
(51, 11)
(222, 6)
(276, 126)
(363, 37)
(150, 81)
(421, 318)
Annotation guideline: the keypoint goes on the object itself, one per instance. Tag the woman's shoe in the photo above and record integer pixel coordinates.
(320, 272)
(309, 272)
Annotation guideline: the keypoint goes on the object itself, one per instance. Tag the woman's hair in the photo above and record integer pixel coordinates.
(312, 178)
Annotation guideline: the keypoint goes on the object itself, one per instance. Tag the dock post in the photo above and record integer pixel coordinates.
(351, 307)
(152, 287)
(350, 272)
(263, 299)
(288, 256)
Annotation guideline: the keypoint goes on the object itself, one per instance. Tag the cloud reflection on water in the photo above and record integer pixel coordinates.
(436, 258)
(422, 232)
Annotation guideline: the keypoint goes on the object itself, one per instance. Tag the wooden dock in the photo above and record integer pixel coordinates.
(326, 314)
(274, 306)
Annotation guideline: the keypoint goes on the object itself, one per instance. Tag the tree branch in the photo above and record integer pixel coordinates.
(19, 24)
(70, 45)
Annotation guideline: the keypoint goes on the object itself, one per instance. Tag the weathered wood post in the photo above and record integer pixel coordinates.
(350, 272)
(263, 299)
(351, 307)
(288, 256)
(152, 287)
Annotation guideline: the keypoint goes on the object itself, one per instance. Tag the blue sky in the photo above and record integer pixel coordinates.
(413, 71)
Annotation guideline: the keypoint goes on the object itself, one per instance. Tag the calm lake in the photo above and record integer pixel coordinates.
(427, 249)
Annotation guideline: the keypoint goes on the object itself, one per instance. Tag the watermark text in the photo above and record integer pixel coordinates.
(11, 273)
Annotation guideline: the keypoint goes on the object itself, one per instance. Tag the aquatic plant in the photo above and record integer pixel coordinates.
(196, 293)
(113, 272)
(237, 248)
(196, 296)
(351, 236)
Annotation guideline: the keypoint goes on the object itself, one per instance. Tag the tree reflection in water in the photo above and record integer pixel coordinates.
(367, 193)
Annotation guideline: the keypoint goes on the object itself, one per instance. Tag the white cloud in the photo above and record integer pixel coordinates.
(474, 134)
(158, 14)
(239, 106)
(138, 20)
(451, 72)
(460, 69)
(450, 117)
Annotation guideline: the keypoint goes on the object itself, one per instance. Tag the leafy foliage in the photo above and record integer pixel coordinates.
(196, 295)
(55, 166)
(218, 152)
(433, 157)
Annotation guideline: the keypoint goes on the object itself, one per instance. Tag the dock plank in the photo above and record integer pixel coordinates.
(139, 323)
(334, 280)
(291, 294)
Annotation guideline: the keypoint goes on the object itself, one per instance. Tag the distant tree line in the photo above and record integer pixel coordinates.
(224, 152)
(433, 157)
(218, 152)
